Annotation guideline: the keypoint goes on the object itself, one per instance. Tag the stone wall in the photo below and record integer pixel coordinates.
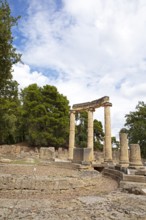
(13, 149)
(20, 151)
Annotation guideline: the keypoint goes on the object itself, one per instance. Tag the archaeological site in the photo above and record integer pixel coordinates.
(74, 183)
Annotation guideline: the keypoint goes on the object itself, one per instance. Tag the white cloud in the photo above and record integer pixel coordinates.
(25, 76)
(97, 47)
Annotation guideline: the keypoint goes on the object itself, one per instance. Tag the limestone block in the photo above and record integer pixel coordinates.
(134, 178)
(82, 155)
(5, 160)
(47, 153)
(135, 156)
(124, 155)
(144, 191)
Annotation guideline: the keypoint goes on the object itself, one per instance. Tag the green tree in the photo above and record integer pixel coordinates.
(136, 127)
(8, 54)
(9, 113)
(9, 103)
(98, 135)
(115, 143)
(82, 131)
(45, 116)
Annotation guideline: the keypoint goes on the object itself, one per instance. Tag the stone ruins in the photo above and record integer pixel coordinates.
(32, 179)
(88, 154)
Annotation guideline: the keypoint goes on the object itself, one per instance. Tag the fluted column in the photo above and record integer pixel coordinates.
(90, 141)
(124, 155)
(107, 141)
(72, 134)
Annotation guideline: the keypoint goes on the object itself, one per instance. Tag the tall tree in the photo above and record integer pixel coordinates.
(98, 135)
(82, 131)
(136, 127)
(9, 113)
(8, 54)
(45, 116)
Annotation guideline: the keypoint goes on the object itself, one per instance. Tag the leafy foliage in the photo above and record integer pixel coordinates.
(98, 135)
(9, 113)
(136, 126)
(8, 55)
(45, 116)
(115, 143)
(82, 129)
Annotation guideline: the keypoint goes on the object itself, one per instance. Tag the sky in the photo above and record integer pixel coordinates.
(86, 48)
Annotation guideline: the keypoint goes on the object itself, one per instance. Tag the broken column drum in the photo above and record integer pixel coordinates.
(135, 155)
(124, 155)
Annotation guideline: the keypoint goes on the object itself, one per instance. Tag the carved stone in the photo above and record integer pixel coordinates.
(90, 107)
(47, 153)
(124, 155)
(107, 141)
(90, 143)
(72, 134)
(94, 104)
(135, 156)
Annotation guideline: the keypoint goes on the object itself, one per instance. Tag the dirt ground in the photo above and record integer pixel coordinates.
(103, 200)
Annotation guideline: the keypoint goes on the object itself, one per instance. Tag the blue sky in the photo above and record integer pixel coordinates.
(86, 48)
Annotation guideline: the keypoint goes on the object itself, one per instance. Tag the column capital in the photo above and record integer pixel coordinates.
(107, 104)
(72, 111)
(91, 109)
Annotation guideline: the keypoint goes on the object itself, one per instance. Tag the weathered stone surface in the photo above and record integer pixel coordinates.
(47, 153)
(46, 195)
(124, 154)
(115, 205)
(135, 156)
(5, 160)
(93, 104)
(82, 155)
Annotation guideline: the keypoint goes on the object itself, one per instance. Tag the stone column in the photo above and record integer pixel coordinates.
(107, 141)
(72, 134)
(135, 156)
(90, 140)
(124, 156)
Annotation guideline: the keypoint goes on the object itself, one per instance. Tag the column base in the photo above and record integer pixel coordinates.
(137, 164)
(70, 154)
(108, 161)
(124, 164)
(132, 166)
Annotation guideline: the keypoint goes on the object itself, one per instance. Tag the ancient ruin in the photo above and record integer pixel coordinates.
(44, 183)
(90, 108)
(135, 156)
(124, 154)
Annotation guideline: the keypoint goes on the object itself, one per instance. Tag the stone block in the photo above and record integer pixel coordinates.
(47, 153)
(141, 172)
(134, 178)
(82, 155)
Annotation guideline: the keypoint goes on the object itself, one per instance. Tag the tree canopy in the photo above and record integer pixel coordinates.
(8, 54)
(136, 127)
(45, 116)
(82, 129)
(9, 102)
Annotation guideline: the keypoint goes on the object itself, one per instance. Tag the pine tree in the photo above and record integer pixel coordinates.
(45, 116)
(8, 54)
